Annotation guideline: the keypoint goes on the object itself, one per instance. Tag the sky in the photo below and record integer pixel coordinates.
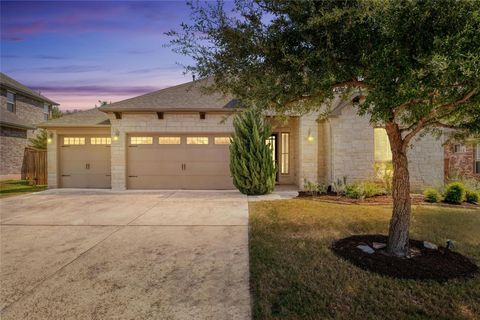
(79, 52)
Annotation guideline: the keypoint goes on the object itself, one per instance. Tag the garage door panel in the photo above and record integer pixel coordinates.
(155, 182)
(207, 168)
(156, 152)
(85, 166)
(155, 167)
(207, 182)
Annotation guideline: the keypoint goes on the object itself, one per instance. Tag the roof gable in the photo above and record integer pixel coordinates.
(17, 86)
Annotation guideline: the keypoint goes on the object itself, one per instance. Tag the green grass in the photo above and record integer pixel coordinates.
(294, 275)
(10, 188)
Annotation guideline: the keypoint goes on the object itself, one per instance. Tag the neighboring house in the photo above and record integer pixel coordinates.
(20, 110)
(463, 159)
(178, 137)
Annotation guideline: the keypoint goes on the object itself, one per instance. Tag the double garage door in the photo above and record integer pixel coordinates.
(193, 161)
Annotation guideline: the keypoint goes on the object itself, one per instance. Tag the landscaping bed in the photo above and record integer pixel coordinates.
(10, 188)
(425, 263)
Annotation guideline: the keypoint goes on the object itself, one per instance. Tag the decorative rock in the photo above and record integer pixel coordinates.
(430, 245)
(366, 249)
(379, 245)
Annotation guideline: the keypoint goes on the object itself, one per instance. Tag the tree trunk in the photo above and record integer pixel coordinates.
(398, 234)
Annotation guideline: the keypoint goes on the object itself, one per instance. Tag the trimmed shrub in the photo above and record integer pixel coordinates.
(472, 196)
(251, 159)
(363, 190)
(431, 195)
(454, 193)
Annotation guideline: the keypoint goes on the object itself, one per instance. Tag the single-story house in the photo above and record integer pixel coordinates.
(177, 138)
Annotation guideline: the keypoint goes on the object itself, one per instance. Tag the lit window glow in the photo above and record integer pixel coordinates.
(222, 140)
(169, 140)
(101, 140)
(197, 140)
(383, 153)
(284, 164)
(73, 140)
(141, 140)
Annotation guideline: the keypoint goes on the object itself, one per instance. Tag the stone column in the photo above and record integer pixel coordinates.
(308, 148)
(52, 160)
(118, 159)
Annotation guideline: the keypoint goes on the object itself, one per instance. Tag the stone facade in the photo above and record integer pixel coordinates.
(461, 163)
(13, 141)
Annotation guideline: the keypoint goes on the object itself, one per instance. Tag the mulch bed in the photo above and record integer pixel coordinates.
(379, 200)
(440, 265)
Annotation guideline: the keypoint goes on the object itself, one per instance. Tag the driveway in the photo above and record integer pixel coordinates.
(73, 254)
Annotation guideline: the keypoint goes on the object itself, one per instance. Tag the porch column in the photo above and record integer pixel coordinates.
(52, 159)
(118, 159)
(307, 149)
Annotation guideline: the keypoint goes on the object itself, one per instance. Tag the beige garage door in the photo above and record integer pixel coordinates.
(194, 161)
(85, 161)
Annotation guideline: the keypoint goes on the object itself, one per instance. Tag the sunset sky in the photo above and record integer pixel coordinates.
(79, 52)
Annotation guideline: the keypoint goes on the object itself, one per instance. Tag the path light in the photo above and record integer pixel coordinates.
(116, 135)
(450, 244)
(50, 138)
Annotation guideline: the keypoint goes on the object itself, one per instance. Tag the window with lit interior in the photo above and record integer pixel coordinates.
(73, 141)
(197, 140)
(285, 150)
(101, 140)
(141, 140)
(169, 140)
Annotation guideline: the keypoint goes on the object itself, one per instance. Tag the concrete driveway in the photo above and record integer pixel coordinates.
(72, 254)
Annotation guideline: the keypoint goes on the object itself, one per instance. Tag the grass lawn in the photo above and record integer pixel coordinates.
(17, 187)
(294, 275)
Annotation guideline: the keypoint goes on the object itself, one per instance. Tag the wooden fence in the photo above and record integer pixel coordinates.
(34, 168)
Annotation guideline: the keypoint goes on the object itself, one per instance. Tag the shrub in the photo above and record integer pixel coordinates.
(354, 191)
(455, 193)
(251, 160)
(339, 186)
(314, 188)
(472, 196)
(431, 195)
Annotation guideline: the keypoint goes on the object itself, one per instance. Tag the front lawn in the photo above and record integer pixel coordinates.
(294, 275)
(16, 187)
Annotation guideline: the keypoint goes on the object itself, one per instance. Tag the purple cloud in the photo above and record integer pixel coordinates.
(99, 90)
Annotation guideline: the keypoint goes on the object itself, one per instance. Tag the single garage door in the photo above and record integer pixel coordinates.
(193, 161)
(85, 161)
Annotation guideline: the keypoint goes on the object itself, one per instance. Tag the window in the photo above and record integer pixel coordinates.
(46, 111)
(460, 148)
(101, 140)
(197, 140)
(73, 140)
(10, 101)
(141, 140)
(383, 153)
(284, 163)
(477, 159)
(222, 140)
(169, 140)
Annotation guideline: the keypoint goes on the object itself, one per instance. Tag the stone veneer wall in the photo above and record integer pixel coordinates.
(307, 164)
(14, 141)
(352, 140)
(149, 123)
(461, 163)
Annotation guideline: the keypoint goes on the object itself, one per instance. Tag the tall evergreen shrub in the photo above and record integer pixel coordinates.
(251, 160)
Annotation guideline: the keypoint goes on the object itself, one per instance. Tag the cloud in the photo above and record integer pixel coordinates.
(95, 90)
(62, 69)
(49, 57)
(139, 51)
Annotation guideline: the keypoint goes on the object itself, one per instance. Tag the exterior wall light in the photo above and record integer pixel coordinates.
(50, 137)
(116, 135)
(309, 136)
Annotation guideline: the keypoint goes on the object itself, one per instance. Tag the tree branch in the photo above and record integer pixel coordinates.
(350, 83)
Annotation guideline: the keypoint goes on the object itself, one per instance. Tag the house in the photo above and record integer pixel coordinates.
(463, 159)
(20, 110)
(177, 138)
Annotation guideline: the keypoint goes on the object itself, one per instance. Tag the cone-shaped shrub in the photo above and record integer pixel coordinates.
(251, 161)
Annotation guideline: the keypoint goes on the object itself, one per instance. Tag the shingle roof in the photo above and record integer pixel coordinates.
(10, 119)
(184, 97)
(17, 86)
(87, 118)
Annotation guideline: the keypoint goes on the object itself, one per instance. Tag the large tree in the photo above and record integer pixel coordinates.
(416, 63)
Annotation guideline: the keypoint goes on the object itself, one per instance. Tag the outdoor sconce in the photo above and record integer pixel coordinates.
(116, 135)
(50, 138)
(310, 137)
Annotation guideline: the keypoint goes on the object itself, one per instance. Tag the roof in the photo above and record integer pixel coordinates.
(87, 118)
(10, 119)
(184, 97)
(17, 86)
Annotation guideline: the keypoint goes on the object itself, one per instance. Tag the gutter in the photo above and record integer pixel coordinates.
(16, 126)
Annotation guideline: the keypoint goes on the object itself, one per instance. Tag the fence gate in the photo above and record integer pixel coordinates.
(34, 168)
